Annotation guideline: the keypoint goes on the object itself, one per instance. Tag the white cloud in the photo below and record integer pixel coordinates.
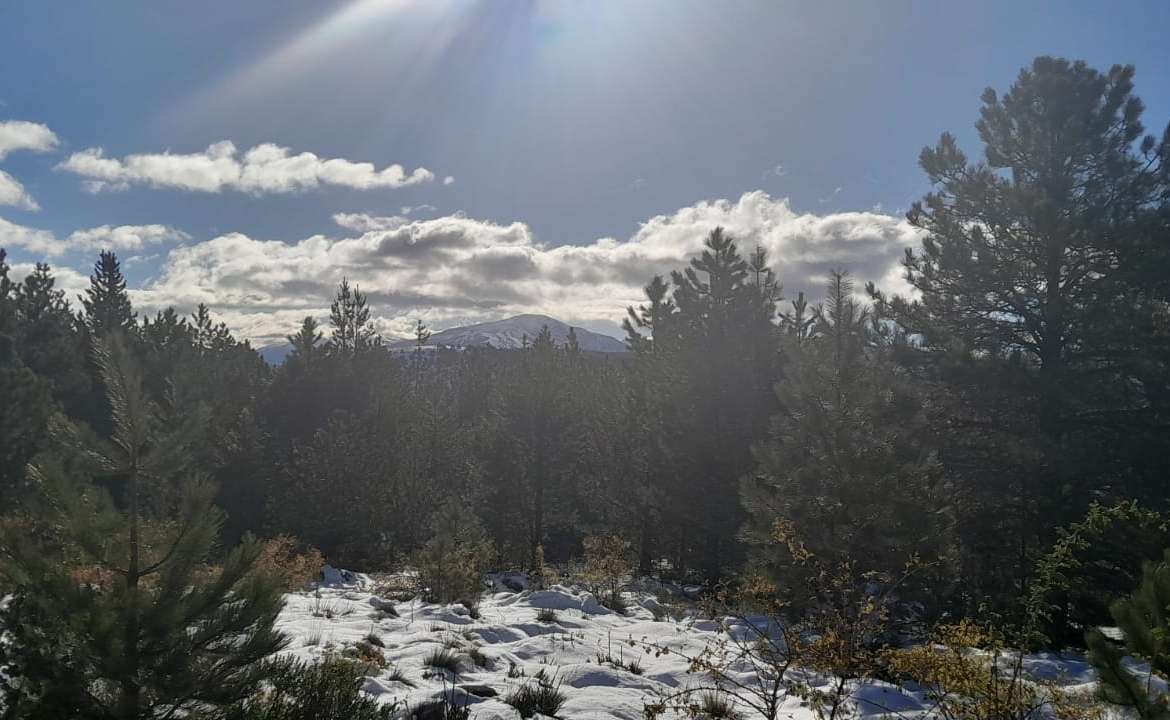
(123, 237)
(30, 239)
(454, 269)
(265, 169)
(24, 135)
(12, 193)
(362, 222)
(104, 237)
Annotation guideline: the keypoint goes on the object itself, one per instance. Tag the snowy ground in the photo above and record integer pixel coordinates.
(514, 641)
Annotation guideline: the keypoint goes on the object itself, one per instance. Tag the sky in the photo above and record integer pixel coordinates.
(466, 160)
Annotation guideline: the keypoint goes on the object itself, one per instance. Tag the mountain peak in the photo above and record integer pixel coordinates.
(510, 334)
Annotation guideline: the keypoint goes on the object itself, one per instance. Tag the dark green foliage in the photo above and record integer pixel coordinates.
(116, 612)
(328, 690)
(849, 467)
(106, 304)
(1037, 314)
(1144, 620)
(1093, 561)
(353, 331)
(47, 338)
(703, 382)
(342, 470)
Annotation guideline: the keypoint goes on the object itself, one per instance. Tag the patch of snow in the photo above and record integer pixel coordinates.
(517, 646)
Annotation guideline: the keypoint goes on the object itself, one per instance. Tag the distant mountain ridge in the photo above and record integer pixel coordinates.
(510, 333)
(506, 334)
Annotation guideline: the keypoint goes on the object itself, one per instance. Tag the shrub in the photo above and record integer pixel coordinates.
(452, 563)
(1143, 621)
(374, 639)
(330, 690)
(479, 657)
(292, 565)
(445, 707)
(396, 674)
(443, 658)
(1092, 562)
(608, 561)
(716, 705)
(541, 695)
(546, 615)
(369, 656)
(988, 684)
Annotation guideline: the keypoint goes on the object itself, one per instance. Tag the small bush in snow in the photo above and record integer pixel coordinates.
(451, 565)
(293, 565)
(608, 561)
(479, 657)
(541, 695)
(329, 690)
(443, 658)
(717, 705)
(546, 615)
(369, 655)
(988, 685)
(375, 640)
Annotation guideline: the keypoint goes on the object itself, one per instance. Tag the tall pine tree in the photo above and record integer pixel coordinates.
(1033, 311)
(106, 304)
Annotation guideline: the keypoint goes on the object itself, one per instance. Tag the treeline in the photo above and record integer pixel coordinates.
(1025, 381)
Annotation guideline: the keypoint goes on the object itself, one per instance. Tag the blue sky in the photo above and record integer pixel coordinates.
(560, 124)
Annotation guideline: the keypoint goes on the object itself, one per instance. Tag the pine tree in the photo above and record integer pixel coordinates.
(209, 336)
(848, 469)
(1034, 313)
(27, 403)
(106, 303)
(353, 331)
(728, 359)
(115, 612)
(304, 343)
(421, 334)
(47, 338)
(1144, 620)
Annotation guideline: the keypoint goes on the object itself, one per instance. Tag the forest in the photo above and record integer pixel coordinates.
(980, 463)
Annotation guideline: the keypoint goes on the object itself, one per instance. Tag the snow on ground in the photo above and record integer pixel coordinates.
(517, 646)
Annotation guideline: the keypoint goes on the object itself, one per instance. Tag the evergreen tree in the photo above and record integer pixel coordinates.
(106, 303)
(47, 338)
(421, 334)
(26, 404)
(727, 350)
(209, 336)
(115, 612)
(304, 343)
(1144, 620)
(353, 331)
(650, 425)
(1033, 311)
(848, 470)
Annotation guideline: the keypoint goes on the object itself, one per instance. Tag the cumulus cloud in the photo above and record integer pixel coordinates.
(123, 237)
(104, 237)
(30, 239)
(452, 270)
(265, 169)
(361, 222)
(12, 193)
(24, 135)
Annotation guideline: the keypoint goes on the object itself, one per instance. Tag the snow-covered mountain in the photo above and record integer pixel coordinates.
(505, 334)
(509, 334)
